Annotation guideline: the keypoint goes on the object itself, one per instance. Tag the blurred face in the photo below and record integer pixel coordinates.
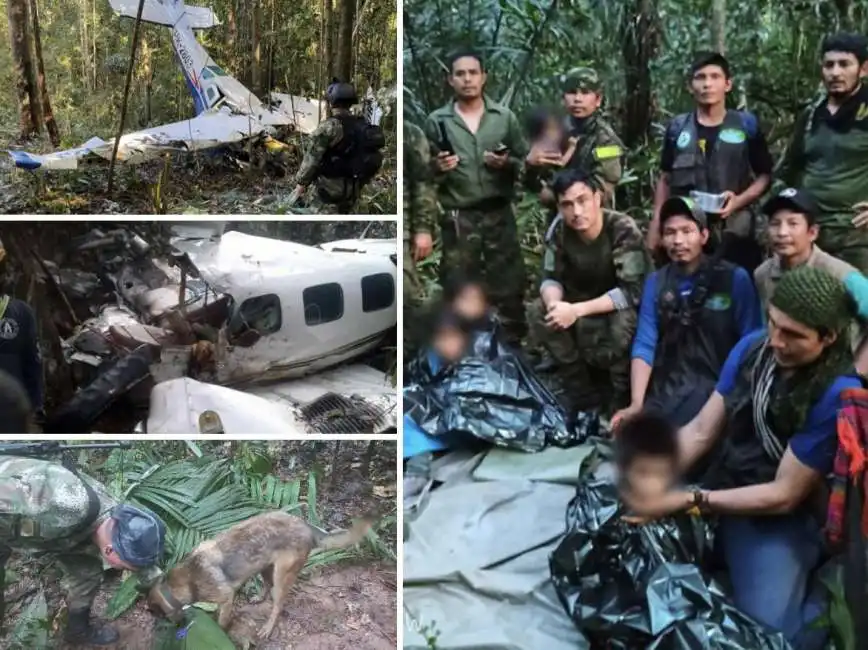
(710, 85)
(450, 344)
(467, 78)
(841, 72)
(582, 103)
(794, 344)
(471, 303)
(683, 239)
(553, 133)
(790, 234)
(650, 476)
(581, 207)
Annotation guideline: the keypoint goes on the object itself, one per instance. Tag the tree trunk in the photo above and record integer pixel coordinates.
(42, 86)
(718, 26)
(256, 48)
(344, 68)
(148, 73)
(328, 43)
(22, 61)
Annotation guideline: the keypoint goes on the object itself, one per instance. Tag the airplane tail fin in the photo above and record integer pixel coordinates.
(167, 13)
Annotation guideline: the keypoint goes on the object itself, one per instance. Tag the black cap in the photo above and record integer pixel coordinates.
(138, 536)
(703, 59)
(792, 199)
(682, 206)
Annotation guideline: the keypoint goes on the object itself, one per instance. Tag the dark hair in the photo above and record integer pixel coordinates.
(445, 318)
(465, 52)
(706, 58)
(456, 283)
(646, 434)
(855, 44)
(14, 405)
(566, 179)
(537, 120)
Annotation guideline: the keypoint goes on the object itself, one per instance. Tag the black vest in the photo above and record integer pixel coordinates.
(696, 333)
(725, 168)
(743, 459)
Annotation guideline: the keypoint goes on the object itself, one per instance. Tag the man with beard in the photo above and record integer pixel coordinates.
(828, 155)
(693, 312)
(585, 317)
(775, 411)
(716, 155)
(481, 152)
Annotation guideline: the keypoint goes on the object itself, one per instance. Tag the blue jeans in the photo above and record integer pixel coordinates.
(771, 562)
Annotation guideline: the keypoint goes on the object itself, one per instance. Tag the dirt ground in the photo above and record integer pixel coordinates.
(347, 606)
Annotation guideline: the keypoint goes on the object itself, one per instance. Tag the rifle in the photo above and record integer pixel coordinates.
(51, 447)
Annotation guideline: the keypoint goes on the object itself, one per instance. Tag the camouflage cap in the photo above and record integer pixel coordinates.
(585, 79)
(139, 536)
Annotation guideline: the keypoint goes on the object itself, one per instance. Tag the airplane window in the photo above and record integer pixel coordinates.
(323, 303)
(262, 314)
(378, 292)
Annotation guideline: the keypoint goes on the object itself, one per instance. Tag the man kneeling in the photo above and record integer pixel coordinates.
(776, 404)
(585, 317)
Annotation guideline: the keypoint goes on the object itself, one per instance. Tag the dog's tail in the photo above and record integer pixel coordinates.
(346, 538)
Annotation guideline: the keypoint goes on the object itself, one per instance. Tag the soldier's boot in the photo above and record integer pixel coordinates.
(80, 631)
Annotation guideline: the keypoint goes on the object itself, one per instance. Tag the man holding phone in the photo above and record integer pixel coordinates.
(481, 150)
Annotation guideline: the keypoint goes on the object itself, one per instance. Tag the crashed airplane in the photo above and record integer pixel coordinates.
(227, 113)
(235, 333)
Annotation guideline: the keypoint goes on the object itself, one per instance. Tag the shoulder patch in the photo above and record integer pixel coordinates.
(719, 302)
(862, 113)
(607, 152)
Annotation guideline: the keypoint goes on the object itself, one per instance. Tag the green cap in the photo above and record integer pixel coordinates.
(682, 206)
(585, 79)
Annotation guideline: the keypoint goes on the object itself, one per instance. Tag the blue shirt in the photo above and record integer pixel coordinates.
(816, 443)
(417, 441)
(746, 305)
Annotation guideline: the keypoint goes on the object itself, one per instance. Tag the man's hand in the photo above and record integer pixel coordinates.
(729, 204)
(496, 161)
(624, 414)
(562, 315)
(645, 509)
(861, 218)
(540, 156)
(423, 244)
(547, 197)
(446, 162)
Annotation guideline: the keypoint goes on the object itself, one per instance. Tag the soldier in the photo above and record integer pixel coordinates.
(46, 508)
(19, 343)
(481, 151)
(344, 155)
(720, 154)
(595, 146)
(586, 314)
(420, 219)
(828, 155)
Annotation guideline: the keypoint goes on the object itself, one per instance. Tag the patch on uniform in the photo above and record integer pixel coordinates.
(607, 152)
(683, 140)
(8, 328)
(719, 302)
(862, 113)
(549, 260)
(733, 136)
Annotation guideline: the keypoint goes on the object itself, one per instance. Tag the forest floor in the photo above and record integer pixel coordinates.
(192, 187)
(351, 605)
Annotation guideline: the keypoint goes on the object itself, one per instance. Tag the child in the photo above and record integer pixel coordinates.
(646, 452)
(468, 299)
(547, 132)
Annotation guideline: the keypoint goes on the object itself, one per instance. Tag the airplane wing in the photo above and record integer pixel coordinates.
(205, 131)
(306, 113)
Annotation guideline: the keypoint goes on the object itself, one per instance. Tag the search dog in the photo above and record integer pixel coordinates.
(275, 545)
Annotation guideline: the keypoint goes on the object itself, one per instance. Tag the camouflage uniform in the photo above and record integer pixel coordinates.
(42, 507)
(420, 216)
(327, 135)
(593, 356)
